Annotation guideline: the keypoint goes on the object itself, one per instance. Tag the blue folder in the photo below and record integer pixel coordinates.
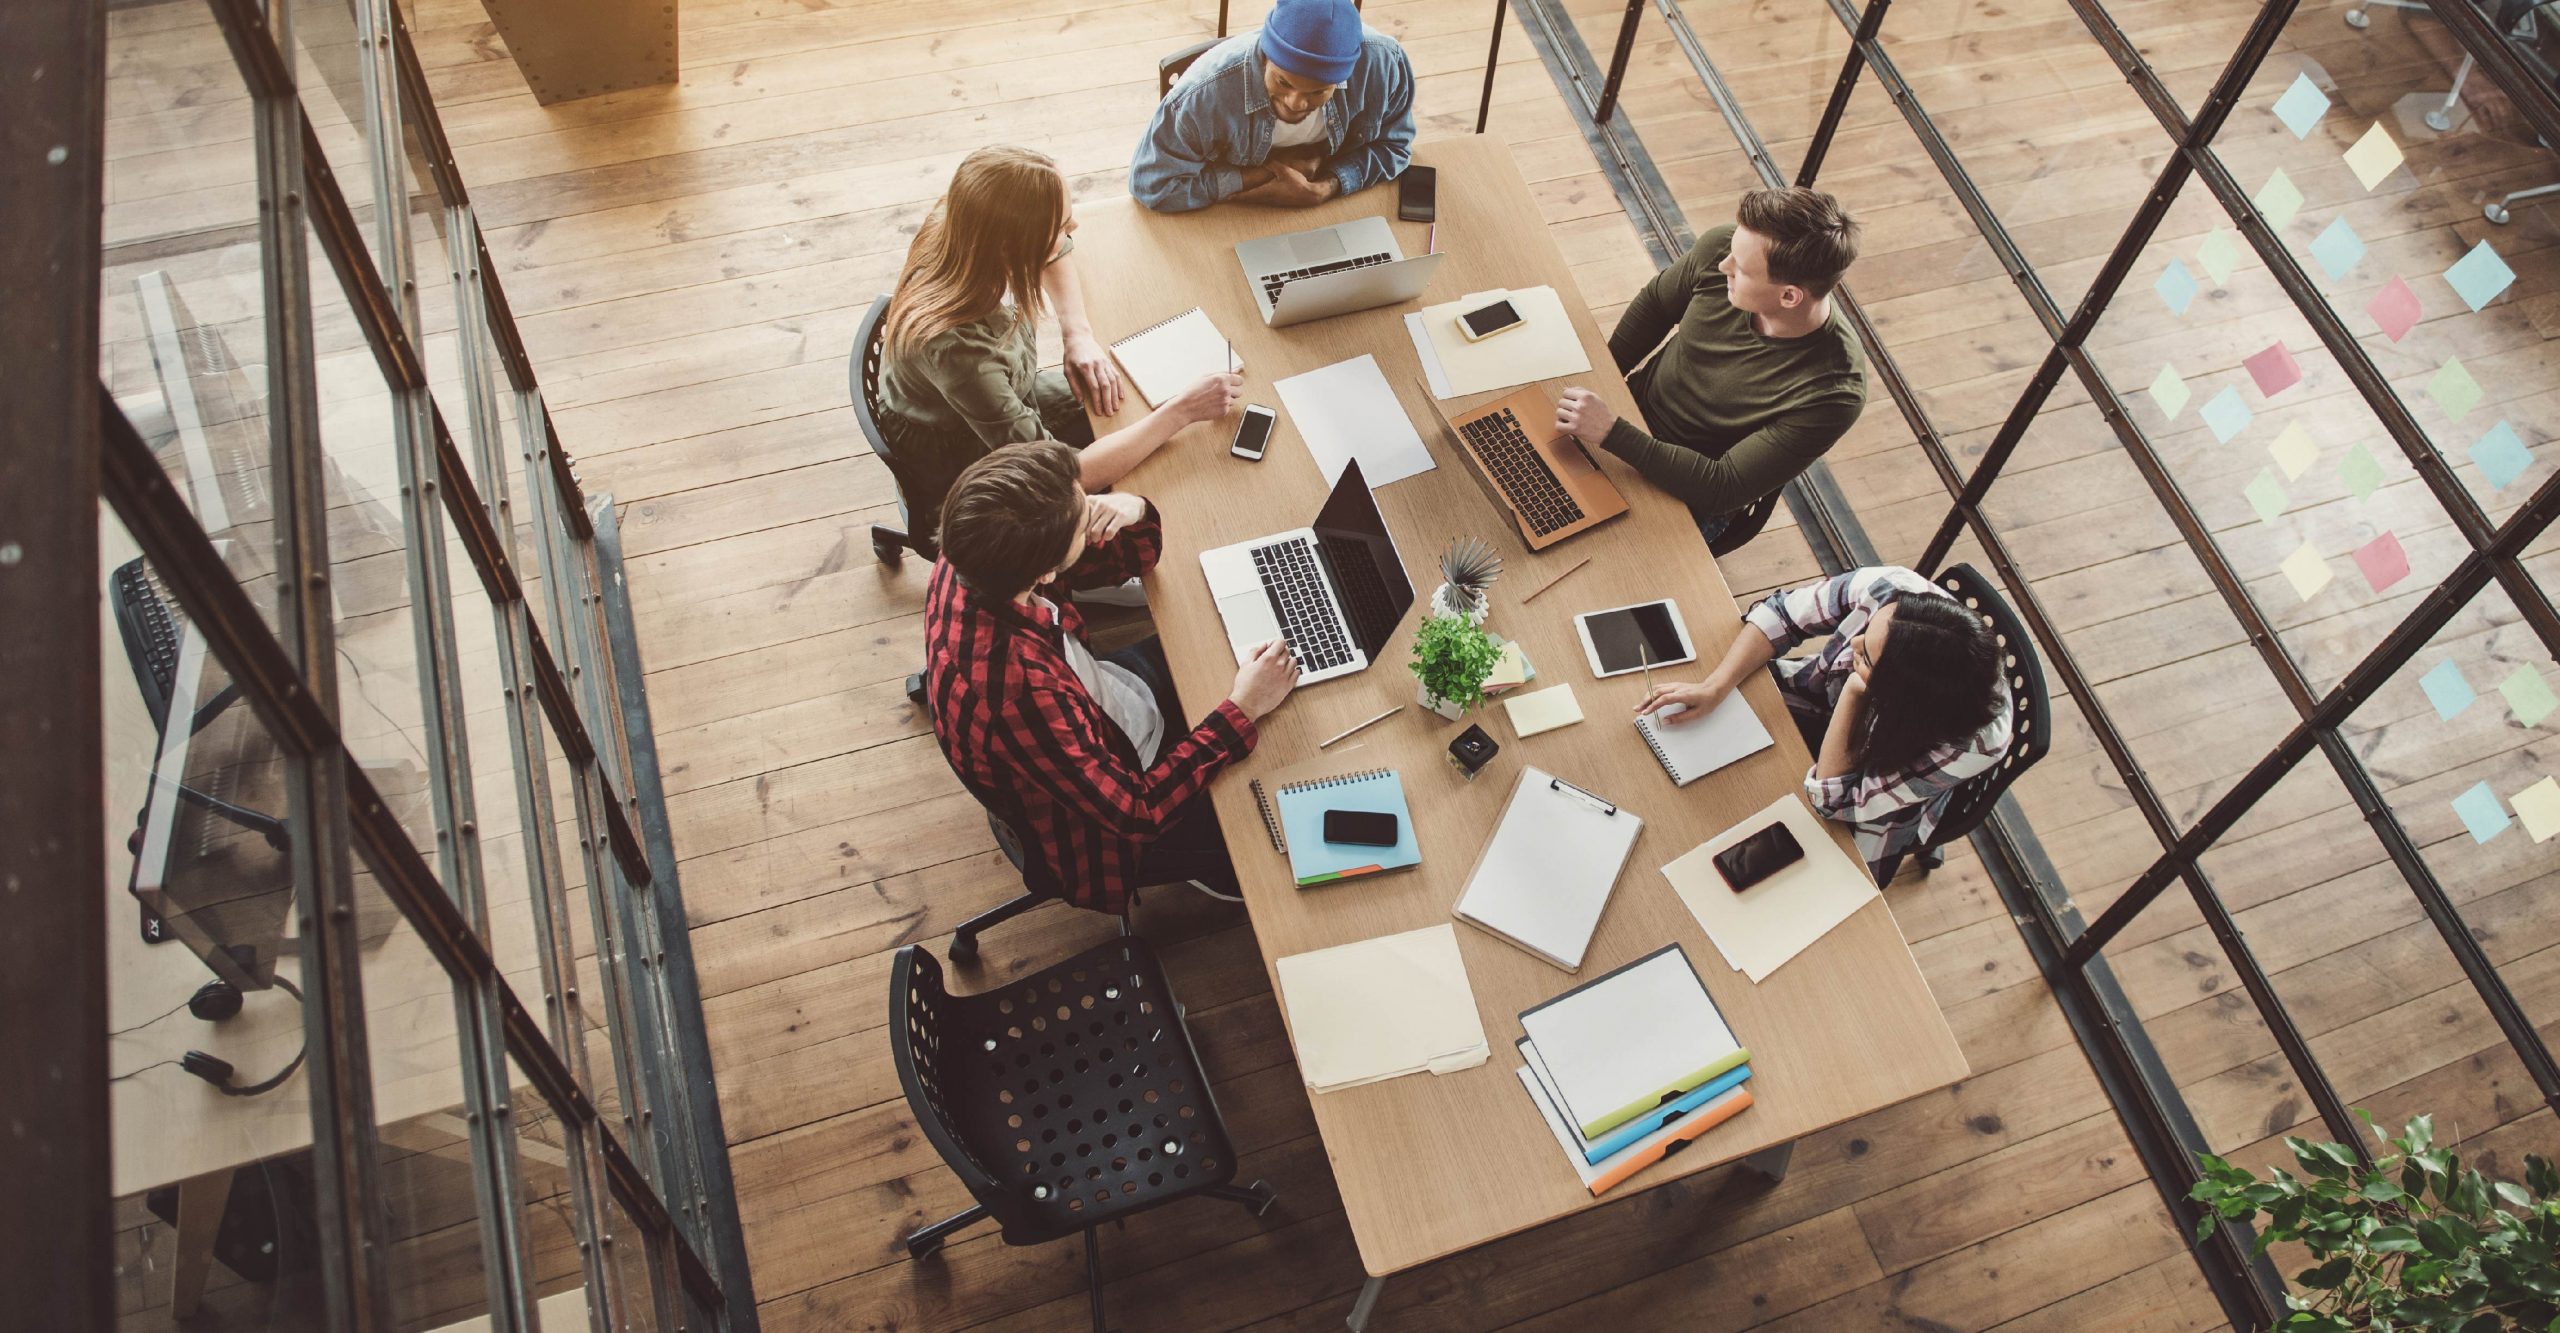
(1596, 1151)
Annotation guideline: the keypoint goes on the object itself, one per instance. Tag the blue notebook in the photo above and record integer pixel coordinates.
(1596, 1151)
(1297, 825)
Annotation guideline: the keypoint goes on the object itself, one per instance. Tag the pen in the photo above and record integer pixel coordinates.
(1432, 246)
(1556, 580)
(1371, 722)
(1231, 357)
(1644, 661)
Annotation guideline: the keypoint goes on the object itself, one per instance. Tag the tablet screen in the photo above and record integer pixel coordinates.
(1636, 636)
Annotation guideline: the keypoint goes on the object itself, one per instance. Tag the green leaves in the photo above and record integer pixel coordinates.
(1453, 659)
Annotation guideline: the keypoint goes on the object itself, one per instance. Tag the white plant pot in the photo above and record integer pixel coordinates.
(1422, 695)
(1441, 605)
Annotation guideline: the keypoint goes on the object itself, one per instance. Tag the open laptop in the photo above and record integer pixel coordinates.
(1544, 477)
(1335, 590)
(1307, 275)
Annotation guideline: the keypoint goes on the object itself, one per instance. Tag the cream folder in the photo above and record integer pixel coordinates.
(1760, 928)
(1544, 347)
(1379, 1008)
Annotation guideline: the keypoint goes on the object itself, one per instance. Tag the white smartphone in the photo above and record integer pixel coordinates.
(1253, 434)
(1634, 638)
(1487, 320)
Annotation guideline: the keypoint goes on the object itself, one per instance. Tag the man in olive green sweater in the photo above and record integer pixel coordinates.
(1758, 377)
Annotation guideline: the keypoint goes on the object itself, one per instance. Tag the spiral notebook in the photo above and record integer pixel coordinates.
(1293, 811)
(1692, 750)
(1165, 356)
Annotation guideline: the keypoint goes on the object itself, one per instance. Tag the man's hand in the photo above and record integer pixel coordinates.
(1090, 372)
(1265, 679)
(1293, 188)
(1306, 159)
(1105, 515)
(1581, 414)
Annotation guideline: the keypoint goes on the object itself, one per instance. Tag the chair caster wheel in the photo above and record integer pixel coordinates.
(915, 688)
(964, 948)
(923, 1248)
(2358, 20)
(886, 546)
(2496, 213)
(1269, 1197)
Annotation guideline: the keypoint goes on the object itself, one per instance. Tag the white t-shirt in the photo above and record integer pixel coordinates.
(1308, 131)
(1125, 699)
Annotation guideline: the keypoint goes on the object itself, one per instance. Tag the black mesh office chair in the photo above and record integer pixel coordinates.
(1963, 809)
(1747, 523)
(1063, 1101)
(889, 544)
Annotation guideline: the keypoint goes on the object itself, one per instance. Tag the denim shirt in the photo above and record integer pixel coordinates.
(1218, 120)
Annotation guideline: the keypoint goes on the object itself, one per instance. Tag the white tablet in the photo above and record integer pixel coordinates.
(1634, 638)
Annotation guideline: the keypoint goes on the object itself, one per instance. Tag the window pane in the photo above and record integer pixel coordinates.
(630, 1259)
(489, 728)
(594, 1059)
(550, 1212)
(329, 71)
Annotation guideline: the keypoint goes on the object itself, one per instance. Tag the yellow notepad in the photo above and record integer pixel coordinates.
(1544, 710)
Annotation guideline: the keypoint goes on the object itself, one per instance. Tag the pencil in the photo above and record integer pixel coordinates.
(1644, 661)
(1231, 357)
(1371, 722)
(1556, 580)
(1433, 245)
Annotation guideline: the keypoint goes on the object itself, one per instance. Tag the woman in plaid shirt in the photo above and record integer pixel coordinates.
(1902, 702)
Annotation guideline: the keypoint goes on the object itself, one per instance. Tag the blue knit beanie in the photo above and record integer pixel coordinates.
(1313, 39)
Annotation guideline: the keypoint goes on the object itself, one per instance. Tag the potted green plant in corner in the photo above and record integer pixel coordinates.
(2412, 1242)
(1451, 662)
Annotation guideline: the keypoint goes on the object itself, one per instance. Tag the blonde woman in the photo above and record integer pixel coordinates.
(960, 372)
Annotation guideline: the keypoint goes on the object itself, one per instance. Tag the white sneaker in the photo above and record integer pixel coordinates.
(1131, 593)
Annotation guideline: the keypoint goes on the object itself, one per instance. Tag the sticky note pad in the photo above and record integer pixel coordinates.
(2528, 695)
(2501, 456)
(2169, 391)
(2479, 276)
(2220, 253)
(2302, 105)
(2454, 390)
(2481, 812)
(2177, 287)
(2447, 689)
(2279, 199)
(2382, 561)
(2225, 414)
(2394, 309)
(2294, 451)
(2337, 247)
(2361, 471)
(1543, 710)
(2274, 369)
(2539, 807)
(2374, 156)
(2306, 571)
(2266, 496)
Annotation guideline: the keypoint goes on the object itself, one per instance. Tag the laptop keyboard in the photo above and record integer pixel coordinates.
(1272, 283)
(1303, 602)
(1522, 472)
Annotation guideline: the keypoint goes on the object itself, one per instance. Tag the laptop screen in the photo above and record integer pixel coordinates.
(1368, 575)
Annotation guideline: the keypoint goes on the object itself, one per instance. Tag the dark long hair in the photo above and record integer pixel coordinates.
(1936, 683)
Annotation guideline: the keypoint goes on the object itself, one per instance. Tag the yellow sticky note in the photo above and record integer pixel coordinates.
(2374, 156)
(2307, 571)
(1543, 710)
(2539, 807)
(2294, 451)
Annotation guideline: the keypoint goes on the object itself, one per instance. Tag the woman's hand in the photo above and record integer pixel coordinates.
(1105, 515)
(1696, 700)
(1208, 398)
(1090, 372)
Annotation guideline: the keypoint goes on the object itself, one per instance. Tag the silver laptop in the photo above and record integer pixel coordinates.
(1335, 590)
(1330, 271)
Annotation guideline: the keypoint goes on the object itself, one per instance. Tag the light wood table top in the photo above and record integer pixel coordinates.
(1433, 1165)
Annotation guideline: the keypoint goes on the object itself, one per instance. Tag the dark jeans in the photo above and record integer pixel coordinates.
(1193, 848)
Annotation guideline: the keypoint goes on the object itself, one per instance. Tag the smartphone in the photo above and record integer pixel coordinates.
(1253, 434)
(1759, 856)
(1360, 827)
(1418, 194)
(1485, 321)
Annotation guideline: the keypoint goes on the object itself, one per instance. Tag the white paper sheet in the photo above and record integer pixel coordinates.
(1432, 373)
(1760, 928)
(1346, 410)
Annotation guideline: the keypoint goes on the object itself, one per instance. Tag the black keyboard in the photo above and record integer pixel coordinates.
(150, 623)
(1304, 603)
(1522, 472)
(1272, 283)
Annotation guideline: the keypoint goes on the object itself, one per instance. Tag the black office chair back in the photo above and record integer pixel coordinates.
(2031, 710)
(1171, 67)
(863, 380)
(1747, 523)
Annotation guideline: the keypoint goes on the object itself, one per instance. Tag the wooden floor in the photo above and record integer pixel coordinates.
(688, 263)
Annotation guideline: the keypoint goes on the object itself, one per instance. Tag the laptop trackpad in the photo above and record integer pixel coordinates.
(1315, 247)
(1249, 619)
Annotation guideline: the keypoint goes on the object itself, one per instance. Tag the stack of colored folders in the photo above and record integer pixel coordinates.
(1632, 1067)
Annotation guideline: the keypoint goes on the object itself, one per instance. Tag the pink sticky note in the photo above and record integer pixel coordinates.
(2274, 370)
(2395, 308)
(2382, 561)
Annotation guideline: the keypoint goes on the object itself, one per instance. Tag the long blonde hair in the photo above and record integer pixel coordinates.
(989, 236)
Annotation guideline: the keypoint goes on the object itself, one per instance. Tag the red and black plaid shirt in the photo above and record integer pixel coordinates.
(1032, 745)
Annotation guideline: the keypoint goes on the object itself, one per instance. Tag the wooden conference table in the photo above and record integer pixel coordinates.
(1433, 1165)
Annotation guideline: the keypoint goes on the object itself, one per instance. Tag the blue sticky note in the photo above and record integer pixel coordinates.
(2176, 286)
(2479, 276)
(2302, 105)
(2481, 812)
(2447, 689)
(2501, 456)
(2226, 415)
(2337, 248)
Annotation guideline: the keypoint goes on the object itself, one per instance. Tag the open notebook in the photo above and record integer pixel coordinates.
(1691, 750)
(1169, 354)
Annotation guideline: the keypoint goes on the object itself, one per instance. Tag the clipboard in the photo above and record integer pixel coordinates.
(1643, 1035)
(1546, 874)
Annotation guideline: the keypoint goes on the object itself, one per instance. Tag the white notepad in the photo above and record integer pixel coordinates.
(1166, 356)
(1692, 750)
(1545, 876)
(1379, 1008)
(1760, 928)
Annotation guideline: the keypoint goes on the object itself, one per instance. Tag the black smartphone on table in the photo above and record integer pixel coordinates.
(1759, 856)
(1360, 828)
(1418, 194)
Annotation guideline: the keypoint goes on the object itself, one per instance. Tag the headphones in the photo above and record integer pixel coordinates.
(213, 1002)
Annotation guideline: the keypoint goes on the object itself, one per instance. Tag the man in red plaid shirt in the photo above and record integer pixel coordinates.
(1071, 750)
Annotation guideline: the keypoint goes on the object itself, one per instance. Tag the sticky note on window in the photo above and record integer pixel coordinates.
(2302, 105)
(2528, 695)
(2374, 156)
(2220, 253)
(2266, 496)
(2479, 276)
(2500, 456)
(2361, 471)
(2447, 689)
(2337, 247)
(2169, 391)
(2394, 309)
(2454, 390)
(2177, 287)
(2279, 199)
(2225, 414)
(2294, 451)
(2481, 812)
(2539, 807)
(2382, 561)
(2306, 571)
(2274, 369)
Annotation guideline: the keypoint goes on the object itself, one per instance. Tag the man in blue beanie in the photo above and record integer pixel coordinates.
(1311, 107)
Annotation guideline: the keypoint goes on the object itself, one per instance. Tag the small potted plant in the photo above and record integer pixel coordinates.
(1451, 662)
(1467, 573)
